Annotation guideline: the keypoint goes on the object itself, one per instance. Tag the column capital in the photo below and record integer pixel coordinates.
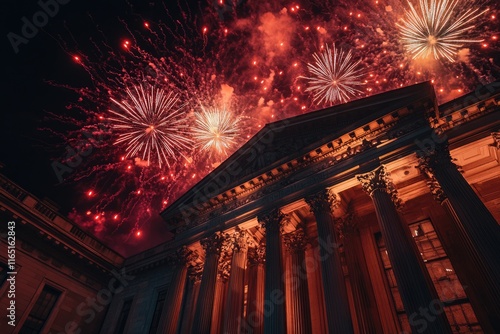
(273, 220)
(438, 157)
(296, 240)
(239, 240)
(379, 180)
(215, 244)
(325, 200)
(195, 272)
(257, 254)
(224, 269)
(183, 255)
(346, 225)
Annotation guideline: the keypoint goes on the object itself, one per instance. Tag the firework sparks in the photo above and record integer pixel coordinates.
(438, 28)
(150, 125)
(334, 76)
(216, 130)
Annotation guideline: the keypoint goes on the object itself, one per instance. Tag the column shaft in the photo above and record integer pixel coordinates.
(254, 320)
(274, 310)
(414, 284)
(173, 300)
(233, 314)
(362, 291)
(334, 287)
(204, 304)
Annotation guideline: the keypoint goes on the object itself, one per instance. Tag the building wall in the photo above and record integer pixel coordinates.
(143, 288)
(32, 274)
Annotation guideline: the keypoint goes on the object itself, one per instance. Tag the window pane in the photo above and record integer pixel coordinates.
(122, 320)
(158, 311)
(40, 311)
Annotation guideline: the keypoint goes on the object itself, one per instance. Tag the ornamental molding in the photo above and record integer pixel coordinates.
(217, 244)
(257, 255)
(182, 256)
(323, 201)
(195, 272)
(316, 160)
(379, 180)
(273, 221)
(347, 225)
(297, 240)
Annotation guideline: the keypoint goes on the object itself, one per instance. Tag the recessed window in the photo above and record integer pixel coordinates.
(160, 301)
(122, 320)
(40, 311)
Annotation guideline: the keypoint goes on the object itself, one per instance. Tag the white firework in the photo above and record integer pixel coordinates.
(438, 28)
(334, 76)
(216, 130)
(150, 125)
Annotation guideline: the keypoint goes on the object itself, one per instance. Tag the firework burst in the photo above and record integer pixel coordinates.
(438, 28)
(334, 76)
(150, 125)
(216, 130)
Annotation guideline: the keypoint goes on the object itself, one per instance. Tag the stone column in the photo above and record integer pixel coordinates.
(274, 310)
(170, 319)
(233, 314)
(204, 304)
(335, 293)
(296, 243)
(224, 268)
(474, 220)
(194, 280)
(414, 284)
(479, 273)
(362, 290)
(254, 321)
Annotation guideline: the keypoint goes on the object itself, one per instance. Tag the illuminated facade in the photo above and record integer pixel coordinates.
(376, 216)
(62, 279)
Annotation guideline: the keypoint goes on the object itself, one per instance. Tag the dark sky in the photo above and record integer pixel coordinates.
(26, 151)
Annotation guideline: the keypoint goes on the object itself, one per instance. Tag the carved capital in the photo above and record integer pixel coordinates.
(297, 240)
(183, 255)
(195, 272)
(239, 240)
(437, 157)
(215, 244)
(436, 190)
(224, 268)
(322, 201)
(272, 221)
(346, 225)
(379, 180)
(257, 255)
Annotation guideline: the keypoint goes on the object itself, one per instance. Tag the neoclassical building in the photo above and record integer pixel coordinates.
(375, 216)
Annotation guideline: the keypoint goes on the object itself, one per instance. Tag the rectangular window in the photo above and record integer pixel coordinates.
(160, 301)
(457, 307)
(40, 311)
(122, 320)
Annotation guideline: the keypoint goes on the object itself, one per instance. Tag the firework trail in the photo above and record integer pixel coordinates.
(334, 76)
(438, 28)
(215, 130)
(251, 58)
(150, 125)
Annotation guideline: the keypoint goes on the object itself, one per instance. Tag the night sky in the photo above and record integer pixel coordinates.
(255, 56)
(26, 150)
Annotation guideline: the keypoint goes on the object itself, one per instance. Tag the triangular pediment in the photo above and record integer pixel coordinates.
(285, 140)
